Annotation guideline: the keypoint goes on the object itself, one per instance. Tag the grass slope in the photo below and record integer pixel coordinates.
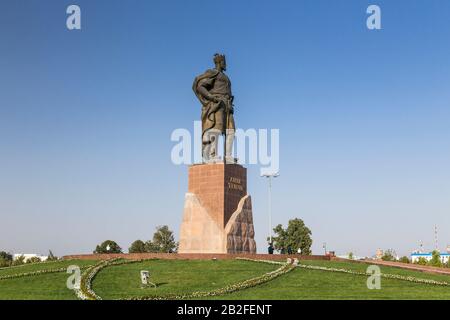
(25, 268)
(185, 276)
(39, 287)
(303, 284)
(175, 276)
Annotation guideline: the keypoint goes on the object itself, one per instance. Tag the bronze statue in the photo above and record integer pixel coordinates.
(213, 89)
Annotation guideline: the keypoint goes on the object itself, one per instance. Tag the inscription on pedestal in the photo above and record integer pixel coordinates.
(235, 183)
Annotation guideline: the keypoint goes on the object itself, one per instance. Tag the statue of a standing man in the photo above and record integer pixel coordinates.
(213, 89)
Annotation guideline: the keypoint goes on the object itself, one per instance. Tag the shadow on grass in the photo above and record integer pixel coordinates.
(157, 284)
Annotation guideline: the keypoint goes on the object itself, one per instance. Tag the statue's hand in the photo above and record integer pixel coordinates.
(215, 108)
(213, 98)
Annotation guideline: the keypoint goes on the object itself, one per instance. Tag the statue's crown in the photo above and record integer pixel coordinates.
(218, 57)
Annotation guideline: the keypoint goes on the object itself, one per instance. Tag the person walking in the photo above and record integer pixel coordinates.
(270, 248)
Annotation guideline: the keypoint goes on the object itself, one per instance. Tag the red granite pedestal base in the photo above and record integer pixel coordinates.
(217, 211)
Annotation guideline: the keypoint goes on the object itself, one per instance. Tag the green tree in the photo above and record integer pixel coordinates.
(297, 235)
(389, 255)
(4, 263)
(435, 259)
(51, 256)
(108, 246)
(404, 259)
(5, 259)
(163, 241)
(18, 261)
(351, 256)
(6, 256)
(137, 247)
(151, 247)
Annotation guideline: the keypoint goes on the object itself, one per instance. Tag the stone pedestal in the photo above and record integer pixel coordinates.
(217, 211)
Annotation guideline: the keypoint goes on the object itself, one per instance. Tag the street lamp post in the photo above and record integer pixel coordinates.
(270, 176)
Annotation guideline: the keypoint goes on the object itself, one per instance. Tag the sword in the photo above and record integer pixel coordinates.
(225, 131)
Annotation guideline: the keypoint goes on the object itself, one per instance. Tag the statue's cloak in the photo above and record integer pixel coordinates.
(208, 117)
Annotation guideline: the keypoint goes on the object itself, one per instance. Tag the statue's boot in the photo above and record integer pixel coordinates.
(229, 147)
(211, 141)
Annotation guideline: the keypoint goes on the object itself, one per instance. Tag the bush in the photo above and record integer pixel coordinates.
(404, 259)
(6, 256)
(137, 247)
(51, 257)
(4, 263)
(389, 255)
(5, 259)
(19, 261)
(34, 260)
(421, 261)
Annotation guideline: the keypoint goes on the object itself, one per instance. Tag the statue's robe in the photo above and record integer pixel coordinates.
(208, 107)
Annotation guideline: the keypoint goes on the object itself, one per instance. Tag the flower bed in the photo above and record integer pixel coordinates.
(32, 264)
(34, 273)
(383, 275)
(87, 293)
(285, 268)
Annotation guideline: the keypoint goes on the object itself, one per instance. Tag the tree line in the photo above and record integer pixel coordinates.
(163, 241)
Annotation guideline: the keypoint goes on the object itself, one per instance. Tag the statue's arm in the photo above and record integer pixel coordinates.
(202, 88)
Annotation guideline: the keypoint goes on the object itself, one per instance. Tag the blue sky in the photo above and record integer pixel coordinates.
(86, 117)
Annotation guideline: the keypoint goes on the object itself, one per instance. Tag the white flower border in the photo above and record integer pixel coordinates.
(29, 274)
(383, 275)
(33, 264)
(34, 273)
(85, 292)
(285, 268)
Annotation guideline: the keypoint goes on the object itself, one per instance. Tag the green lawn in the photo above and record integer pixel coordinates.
(362, 267)
(39, 287)
(311, 284)
(186, 276)
(175, 276)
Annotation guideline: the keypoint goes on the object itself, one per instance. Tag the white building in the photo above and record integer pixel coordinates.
(416, 256)
(28, 256)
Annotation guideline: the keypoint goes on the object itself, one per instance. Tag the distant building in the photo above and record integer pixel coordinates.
(354, 257)
(417, 255)
(379, 254)
(28, 256)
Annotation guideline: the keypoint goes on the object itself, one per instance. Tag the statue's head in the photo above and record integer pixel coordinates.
(220, 62)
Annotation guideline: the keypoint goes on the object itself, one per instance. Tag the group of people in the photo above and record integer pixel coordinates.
(283, 250)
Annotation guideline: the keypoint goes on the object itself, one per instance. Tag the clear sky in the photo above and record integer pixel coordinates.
(86, 117)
